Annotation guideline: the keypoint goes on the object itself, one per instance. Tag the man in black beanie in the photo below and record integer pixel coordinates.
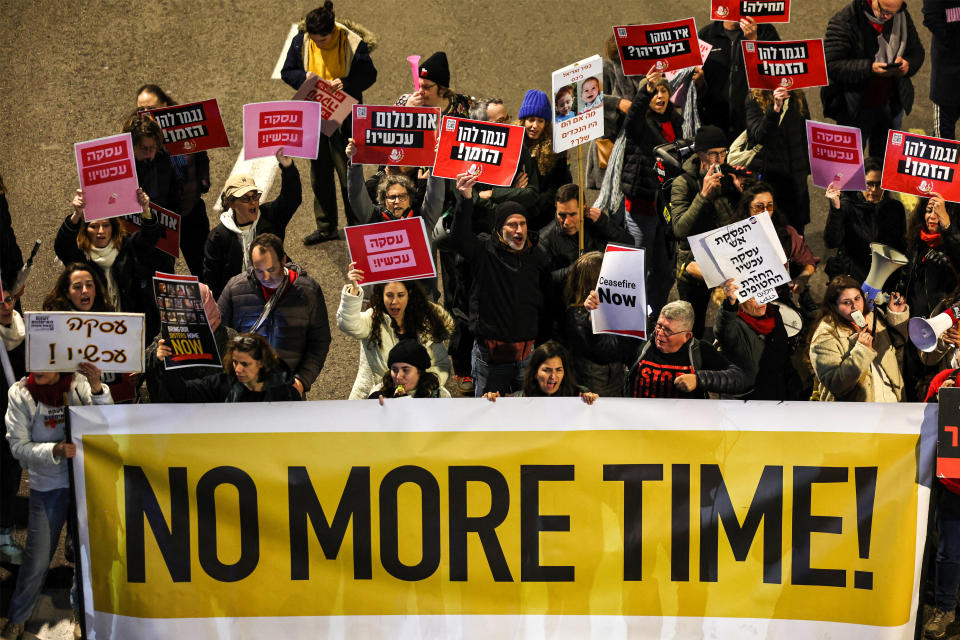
(506, 291)
(702, 198)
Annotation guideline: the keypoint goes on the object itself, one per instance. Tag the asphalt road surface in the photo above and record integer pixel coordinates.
(70, 70)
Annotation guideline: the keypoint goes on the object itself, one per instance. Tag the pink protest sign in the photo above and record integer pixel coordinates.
(108, 177)
(393, 250)
(835, 156)
(335, 104)
(291, 124)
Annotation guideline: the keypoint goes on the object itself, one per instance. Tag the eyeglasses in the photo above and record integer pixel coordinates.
(396, 197)
(883, 13)
(662, 329)
(713, 156)
(250, 197)
(873, 185)
(427, 86)
(760, 207)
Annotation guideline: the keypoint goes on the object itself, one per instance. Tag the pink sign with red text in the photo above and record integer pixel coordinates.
(835, 156)
(291, 124)
(108, 177)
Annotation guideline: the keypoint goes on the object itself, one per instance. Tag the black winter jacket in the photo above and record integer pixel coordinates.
(563, 250)
(850, 47)
(784, 141)
(223, 253)
(729, 380)
(219, 387)
(944, 57)
(638, 179)
(298, 329)
(506, 292)
(932, 273)
(11, 259)
(600, 359)
(721, 101)
(851, 228)
(158, 179)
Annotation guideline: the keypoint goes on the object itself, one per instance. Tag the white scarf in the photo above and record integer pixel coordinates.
(104, 259)
(246, 235)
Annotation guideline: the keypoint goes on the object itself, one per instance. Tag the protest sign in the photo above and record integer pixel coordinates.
(184, 323)
(705, 49)
(577, 103)
(528, 517)
(622, 293)
(60, 340)
(108, 177)
(793, 64)
(760, 10)
(921, 165)
(169, 242)
(391, 250)
(835, 156)
(666, 46)
(291, 124)
(747, 251)
(948, 435)
(335, 104)
(189, 128)
(489, 150)
(395, 136)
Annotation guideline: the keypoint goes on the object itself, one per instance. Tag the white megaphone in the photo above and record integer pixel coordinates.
(924, 332)
(885, 261)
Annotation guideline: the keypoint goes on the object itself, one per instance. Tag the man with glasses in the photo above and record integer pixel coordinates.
(872, 50)
(674, 364)
(244, 218)
(856, 219)
(702, 198)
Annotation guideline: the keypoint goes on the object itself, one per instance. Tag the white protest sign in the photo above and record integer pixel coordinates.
(747, 251)
(577, 103)
(623, 298)
(59, 340)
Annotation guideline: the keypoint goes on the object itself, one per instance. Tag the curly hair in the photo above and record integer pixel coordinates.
(141, 125)
(59, 297)
(916, 221)
(390, 179)
(542, 149)
(257, 347)
(550, 349)
(419, 316)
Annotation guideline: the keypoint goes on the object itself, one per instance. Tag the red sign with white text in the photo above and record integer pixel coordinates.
(169, 242)
(190, 128)
(666, 46)
(108, 177)
(397, 136)
(759, 10)
(392, 250)
(335, 104)
(489, 150)
(793, 64)
(920, 166)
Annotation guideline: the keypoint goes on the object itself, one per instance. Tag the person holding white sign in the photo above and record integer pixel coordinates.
(36, 418)
(851, 362)
(546, 171)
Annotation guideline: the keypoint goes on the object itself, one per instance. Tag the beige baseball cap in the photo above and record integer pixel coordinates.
(238, 185)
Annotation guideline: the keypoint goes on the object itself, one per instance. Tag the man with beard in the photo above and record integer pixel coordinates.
(227, 250)
(506, 290)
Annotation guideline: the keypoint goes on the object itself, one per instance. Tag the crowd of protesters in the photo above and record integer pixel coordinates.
(510, 313)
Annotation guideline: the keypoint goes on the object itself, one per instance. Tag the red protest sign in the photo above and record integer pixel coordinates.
(794, 64)
(487, 149)
(759, 10)
(335, 104)
(398, 136)
(392, 250)
(920, 165)
(108, 177)
(189, 128)
(169, 242)
(666, 46)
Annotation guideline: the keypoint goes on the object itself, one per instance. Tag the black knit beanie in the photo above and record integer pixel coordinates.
(709, 137)
(411, 352)
(504, 211)
(435, 69)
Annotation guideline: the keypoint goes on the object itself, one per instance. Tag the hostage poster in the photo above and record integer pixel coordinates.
(577, 103)
(184, 324)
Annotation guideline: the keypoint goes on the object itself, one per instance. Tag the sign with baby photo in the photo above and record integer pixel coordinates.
(577, 103)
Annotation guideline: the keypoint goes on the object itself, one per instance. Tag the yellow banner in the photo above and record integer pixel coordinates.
(793, 525)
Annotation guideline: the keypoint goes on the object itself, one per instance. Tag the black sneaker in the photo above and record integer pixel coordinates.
(936, 626)
(320, 236)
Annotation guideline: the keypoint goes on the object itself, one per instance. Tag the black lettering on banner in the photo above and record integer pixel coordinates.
(393, 138)
(491, 135)
(655, 51)
(805, 524)
(865, 479)
(187, 114)
(532, 522)
(390, 525)
(173, 541)
(927, 149)
(680, 523)
(763, 8)
(304, 506)
(484, 526)
(207, 524)
(633, 476)
(766, 506)
(468, 153)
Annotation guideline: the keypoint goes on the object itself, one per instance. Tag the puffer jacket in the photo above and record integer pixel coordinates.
(844, 366)
(298, 329)
(373, 360)
(599, 359)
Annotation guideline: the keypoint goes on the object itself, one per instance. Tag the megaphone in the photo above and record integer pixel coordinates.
(885, 261)
(924, 332)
